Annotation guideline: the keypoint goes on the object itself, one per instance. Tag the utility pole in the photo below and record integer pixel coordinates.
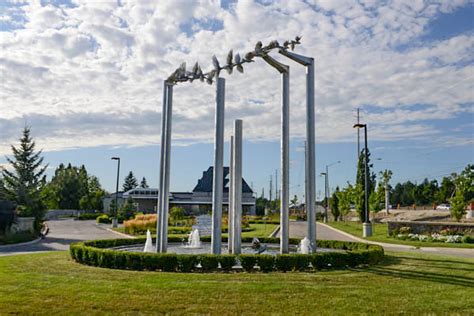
(271, 188)
(276, 184)
(358, 135)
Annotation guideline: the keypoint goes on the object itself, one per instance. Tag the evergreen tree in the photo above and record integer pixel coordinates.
(334, 204)
(144, 184)
(23, 184)
(130, 182)
(360, 182)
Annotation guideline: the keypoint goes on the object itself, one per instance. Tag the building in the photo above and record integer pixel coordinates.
(199, 201)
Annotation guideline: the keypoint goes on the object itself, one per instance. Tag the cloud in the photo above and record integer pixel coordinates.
(90, 73)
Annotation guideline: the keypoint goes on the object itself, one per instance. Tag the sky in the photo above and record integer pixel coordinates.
(87, 77)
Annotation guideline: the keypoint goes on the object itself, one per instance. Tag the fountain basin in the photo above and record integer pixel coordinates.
(205, 248)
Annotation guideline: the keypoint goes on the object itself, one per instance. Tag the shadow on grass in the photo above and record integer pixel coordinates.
(386, 268)
(442, 264)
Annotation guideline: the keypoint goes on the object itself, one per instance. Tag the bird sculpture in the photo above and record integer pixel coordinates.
(182, 75)
(229, 65)
(238, 63)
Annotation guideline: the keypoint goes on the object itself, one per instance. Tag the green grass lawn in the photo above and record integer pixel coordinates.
(51, 283)
(261, 230)
(380, 235)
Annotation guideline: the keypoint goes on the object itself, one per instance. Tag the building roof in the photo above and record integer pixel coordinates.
(205, 183)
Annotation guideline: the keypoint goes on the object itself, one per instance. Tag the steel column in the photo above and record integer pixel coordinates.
(218, 174)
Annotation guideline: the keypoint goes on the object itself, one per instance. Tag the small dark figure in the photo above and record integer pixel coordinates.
(44, 231)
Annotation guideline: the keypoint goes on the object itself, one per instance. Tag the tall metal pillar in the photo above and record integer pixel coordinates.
(237, 187)
(159, 210)
(218, 173)
(310, 161)
(166, 169)
(285, 153)
(285, 163)
(230, 216)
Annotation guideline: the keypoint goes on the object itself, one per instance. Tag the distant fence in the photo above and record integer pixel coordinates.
(53, 214)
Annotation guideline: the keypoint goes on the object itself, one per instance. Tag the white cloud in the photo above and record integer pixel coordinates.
(91, 74)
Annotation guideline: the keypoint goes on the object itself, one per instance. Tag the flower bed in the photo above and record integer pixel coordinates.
(96, 253)
(446, 235)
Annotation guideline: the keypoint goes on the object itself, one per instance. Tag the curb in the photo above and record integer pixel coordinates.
(26, 243)
(275, 232)
(368, 241)
(119, 233)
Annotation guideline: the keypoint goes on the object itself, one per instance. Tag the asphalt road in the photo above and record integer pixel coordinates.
(62, 232)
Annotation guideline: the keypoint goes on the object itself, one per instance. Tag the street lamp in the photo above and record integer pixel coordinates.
(327, 190)
(114, 219)
(367, 227)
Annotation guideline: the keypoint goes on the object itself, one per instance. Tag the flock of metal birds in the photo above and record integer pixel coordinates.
(183, 75)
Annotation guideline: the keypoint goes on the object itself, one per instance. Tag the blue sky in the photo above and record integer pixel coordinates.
(87, 78)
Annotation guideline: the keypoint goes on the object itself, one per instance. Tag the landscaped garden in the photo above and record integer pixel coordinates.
(52, 283)
(405, 237)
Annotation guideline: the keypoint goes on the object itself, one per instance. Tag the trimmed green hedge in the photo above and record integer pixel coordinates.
(96, 253)
(88, 216)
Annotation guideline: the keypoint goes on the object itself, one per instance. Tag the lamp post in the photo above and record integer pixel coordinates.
(327, 190)
(367, 227)
(114, 219)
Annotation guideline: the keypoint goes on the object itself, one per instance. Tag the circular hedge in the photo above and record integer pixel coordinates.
(96, 253)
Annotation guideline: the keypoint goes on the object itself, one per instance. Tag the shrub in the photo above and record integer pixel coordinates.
(284, 263)
(187, 263)
(248, 262)
(317, 261)
(93, 253)
(88, 216)
(226, 261)
(405, 230)
(266, 263)
(301, 262)
(468, 239)
(167, 262)
(103, 219)
(208, 262)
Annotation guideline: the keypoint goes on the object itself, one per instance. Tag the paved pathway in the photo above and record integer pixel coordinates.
(323, 231)
(62, 232)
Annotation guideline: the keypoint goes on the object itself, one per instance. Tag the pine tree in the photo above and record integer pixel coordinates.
(360, 182)
(144, 184)
(334, 204)
(23, 184)
(130, 182)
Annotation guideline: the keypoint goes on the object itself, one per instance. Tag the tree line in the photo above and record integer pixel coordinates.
(25, 187)
(457, 189)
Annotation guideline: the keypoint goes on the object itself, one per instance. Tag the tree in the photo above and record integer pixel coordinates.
(176, 213)
(360, 183)
(458, 205)
(130, 182)
(385, 177)
(73, 188)
(344, 200)
(24, 183)
(334, 204)
(361, 172)
(128, 209)
(464, 192)
(294, 201)
(144, 184)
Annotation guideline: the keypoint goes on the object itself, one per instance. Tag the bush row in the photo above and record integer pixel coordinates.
(88, 216)
(94, 253)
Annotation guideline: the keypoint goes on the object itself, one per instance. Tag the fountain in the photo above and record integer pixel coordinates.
(194, 241)
(257, 246)
(149, 243)
(305, 246)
